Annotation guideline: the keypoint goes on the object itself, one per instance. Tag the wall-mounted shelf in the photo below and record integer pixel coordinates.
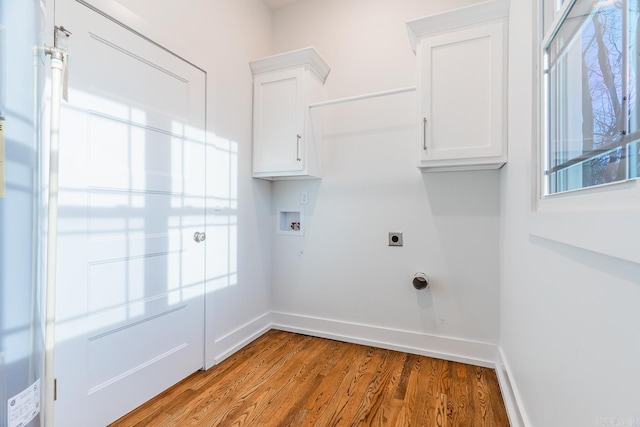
(362, 97)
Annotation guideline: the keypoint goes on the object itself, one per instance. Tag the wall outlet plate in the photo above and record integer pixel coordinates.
(395, 238)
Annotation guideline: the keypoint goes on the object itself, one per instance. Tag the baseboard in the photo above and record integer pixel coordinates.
(441, 347)
(235, 340)
(510, 395)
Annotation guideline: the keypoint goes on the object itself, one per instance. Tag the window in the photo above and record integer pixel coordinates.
(591, 120)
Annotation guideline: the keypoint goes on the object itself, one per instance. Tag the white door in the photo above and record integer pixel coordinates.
(130, 288)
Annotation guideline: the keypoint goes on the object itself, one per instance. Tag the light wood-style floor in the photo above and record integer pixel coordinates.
(286, 379)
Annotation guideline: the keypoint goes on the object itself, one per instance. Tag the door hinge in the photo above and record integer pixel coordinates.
(55, 389)
(56, 33)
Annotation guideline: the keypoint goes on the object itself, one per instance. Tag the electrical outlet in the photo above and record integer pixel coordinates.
(304, 198)
(395, 238)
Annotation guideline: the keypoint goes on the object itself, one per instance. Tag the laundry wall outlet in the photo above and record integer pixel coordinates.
(395, 238)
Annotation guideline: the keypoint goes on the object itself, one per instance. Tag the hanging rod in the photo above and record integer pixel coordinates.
(361, 97)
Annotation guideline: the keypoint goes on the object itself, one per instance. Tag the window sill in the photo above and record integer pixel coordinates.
(603, 219)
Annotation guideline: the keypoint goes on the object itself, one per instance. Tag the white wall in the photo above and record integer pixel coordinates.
(569, 328)
(222, 36)
(341, 279)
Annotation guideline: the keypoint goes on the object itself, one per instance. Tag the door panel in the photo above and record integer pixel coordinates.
(130, 300)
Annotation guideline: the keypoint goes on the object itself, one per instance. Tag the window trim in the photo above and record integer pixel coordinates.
(569, 217)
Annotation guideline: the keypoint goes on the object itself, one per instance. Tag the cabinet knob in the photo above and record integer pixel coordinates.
(199, 237)
(298, 147)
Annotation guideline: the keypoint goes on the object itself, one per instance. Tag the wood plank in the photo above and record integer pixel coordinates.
(256, 385)
(384, 407)
(340, 405)
(441, 411)
(459, 397)
(320, 398)
(286, 379)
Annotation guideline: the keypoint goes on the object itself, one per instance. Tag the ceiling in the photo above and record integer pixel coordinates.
(275, 4)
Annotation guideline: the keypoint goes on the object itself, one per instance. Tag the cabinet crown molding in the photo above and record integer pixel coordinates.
(456, 18)
(307, 57)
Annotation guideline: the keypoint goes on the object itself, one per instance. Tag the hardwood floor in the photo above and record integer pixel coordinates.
(285, 379)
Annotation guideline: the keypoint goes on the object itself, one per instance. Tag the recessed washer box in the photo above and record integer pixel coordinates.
(290, 222)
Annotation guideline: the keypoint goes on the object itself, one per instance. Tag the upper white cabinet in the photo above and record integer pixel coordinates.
(462, 85)
(286, 141)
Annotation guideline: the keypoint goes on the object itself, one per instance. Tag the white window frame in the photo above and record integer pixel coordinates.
(604, 218)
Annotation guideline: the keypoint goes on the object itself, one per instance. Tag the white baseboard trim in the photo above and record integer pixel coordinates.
(235, 340)
(440, 347)
(512, 400)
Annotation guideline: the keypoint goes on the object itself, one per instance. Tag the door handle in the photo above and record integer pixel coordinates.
(199, 237)
(298, 136)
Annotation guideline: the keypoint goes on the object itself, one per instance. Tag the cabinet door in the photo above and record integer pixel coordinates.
(278, 122)
(461, 89)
